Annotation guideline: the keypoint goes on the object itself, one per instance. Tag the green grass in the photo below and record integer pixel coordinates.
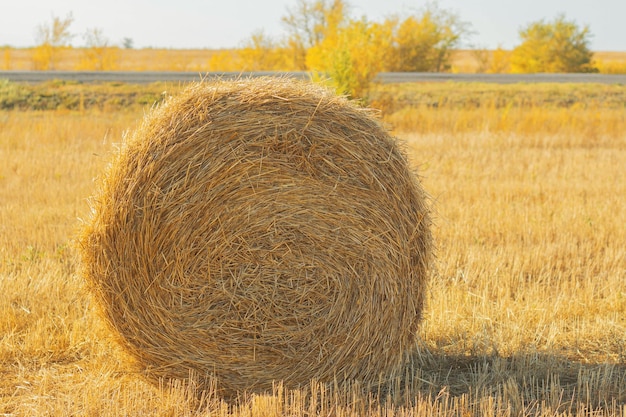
(68, 95)
(389, 98)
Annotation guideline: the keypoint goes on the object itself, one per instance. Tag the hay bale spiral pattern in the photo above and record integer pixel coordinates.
(260, 230)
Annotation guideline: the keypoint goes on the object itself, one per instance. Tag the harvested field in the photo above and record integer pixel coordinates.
(525, 314)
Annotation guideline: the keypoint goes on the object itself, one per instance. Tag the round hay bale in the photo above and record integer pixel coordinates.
(258, 230)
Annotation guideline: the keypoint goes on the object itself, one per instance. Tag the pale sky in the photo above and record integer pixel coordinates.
(225, 23)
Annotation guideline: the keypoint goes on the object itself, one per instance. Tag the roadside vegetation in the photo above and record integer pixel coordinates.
(526, 312)
(326, 39)
(557, 46)
(411, 107)
(69, 95)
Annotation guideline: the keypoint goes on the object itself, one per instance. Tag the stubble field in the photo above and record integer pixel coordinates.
(526, 310)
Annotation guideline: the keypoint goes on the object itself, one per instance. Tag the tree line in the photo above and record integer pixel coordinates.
(324, 38)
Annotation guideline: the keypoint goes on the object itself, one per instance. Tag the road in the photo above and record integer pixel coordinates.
(386, 77)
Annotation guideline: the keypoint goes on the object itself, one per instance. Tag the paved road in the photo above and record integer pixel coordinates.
(386, 77)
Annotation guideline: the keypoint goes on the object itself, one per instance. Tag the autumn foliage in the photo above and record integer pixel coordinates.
(326, 39)
(347, 52)
(51, 39)
(556, 46)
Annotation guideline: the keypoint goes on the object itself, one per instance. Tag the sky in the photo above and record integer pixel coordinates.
(216, 24)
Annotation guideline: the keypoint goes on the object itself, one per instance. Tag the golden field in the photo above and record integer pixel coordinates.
(125, 59)
(203, 60)
(526, 310)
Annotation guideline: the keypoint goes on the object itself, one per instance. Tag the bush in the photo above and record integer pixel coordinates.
(557, 46)
(352, 57)
(423, 42)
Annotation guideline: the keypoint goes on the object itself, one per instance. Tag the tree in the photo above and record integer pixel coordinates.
(557, 46)
(309, 23)
(492, 62)
(98, 54)
(7, 58)
(351, 58)
(50, 39)
(500, 61)
(260, 53)
(482, 57)
(424, 41)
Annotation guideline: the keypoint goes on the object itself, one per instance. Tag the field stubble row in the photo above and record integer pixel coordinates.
(526, 308)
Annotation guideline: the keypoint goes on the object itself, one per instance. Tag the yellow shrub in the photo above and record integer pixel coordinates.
(500, 61)
(99, 58)
(43, 57)
(352, 57)
(557, 46)
(7, 58)
(611, 67)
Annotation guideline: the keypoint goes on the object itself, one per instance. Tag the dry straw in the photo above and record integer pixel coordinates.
(260, 230)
